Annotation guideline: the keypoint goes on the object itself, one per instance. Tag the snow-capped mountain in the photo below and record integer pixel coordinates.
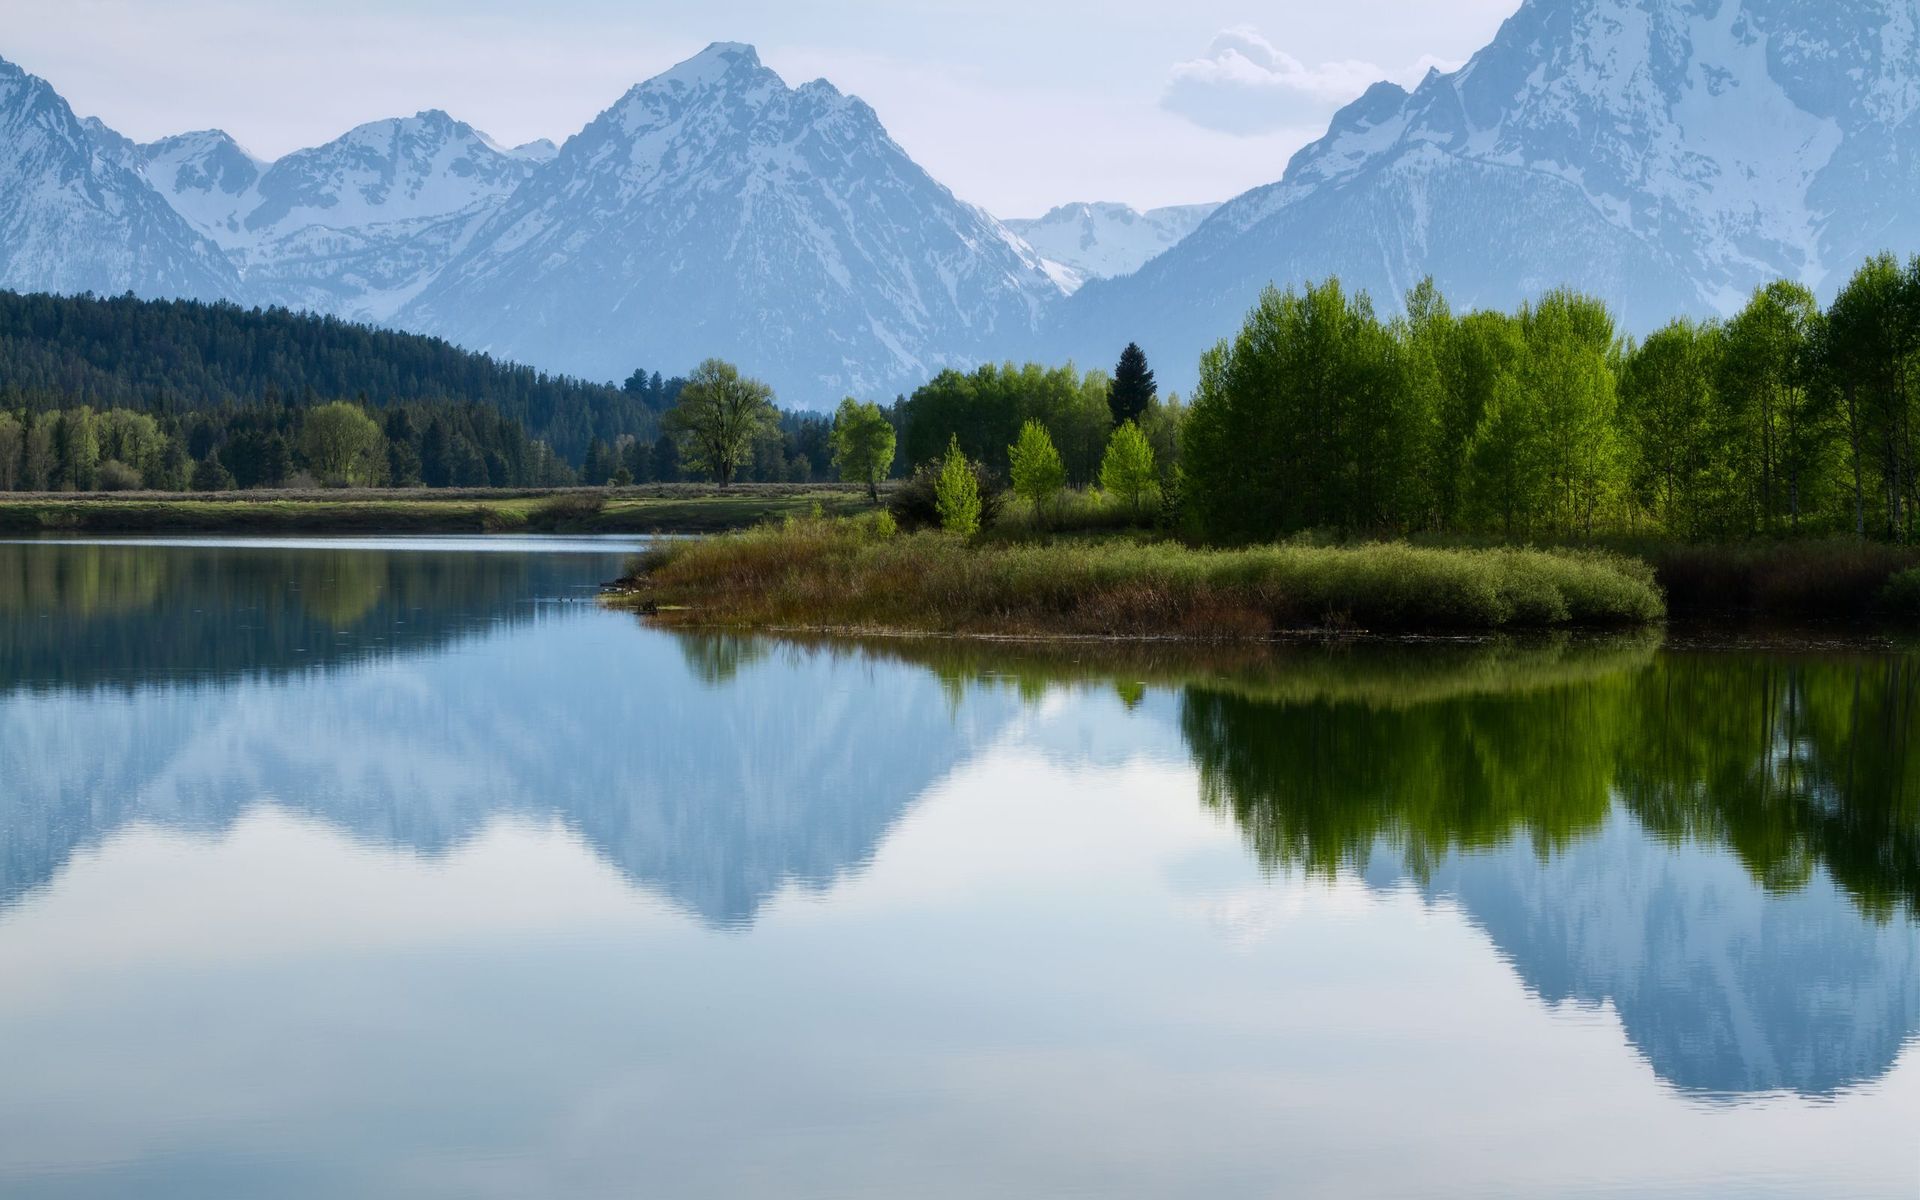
(1104, 240)
(714, 210)
(354, 227)
(74, 214)
(1667, 155)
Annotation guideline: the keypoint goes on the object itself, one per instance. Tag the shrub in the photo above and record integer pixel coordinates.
(915, 502)
(116, 476)
(1900, 597)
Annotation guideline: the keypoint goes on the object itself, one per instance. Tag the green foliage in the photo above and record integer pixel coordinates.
(343, 445)
(1303, 421)
(1901, 596)
(719, 415)
(1127, 470)
(957, 493)
(987, 408)
(1774, 420)
(863, 444)
(1038, 474)
(1546, 423)
(1668, 407)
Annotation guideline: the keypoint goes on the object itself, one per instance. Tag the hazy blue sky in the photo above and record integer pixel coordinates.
(1015, 104)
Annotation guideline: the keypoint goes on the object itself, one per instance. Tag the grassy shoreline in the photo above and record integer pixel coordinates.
(661, 508)
(851, 576)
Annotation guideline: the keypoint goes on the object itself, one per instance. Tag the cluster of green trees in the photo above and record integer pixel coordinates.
(985, 411)
(1547, 422)
(172, 357)
(337, 443)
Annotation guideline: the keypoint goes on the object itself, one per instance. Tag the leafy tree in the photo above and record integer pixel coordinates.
(863, 444)
(1127, 471)
(13, 444)
(1868, 352)
(719, 414)
(1133, 388)
(1302, 421)
(1776, 420)
(1568, 375)
(342, 444)
(38, 462)
(1668, 407)
(1037, 472)
(957, 493)
(76, 450)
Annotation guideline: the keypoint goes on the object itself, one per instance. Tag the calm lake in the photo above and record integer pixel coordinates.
(400, 868)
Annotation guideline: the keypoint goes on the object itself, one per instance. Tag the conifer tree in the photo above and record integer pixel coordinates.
(1133, 389)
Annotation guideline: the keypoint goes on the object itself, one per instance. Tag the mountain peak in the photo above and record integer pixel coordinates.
(713, 65)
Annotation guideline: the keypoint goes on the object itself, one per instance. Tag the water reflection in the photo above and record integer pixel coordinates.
(135, 614)
(1723, 848)
(335, 683)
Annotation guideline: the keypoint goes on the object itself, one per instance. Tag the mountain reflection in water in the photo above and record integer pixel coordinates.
(1724, 847)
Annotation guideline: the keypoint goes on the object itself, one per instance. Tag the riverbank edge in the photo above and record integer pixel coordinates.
(662, 509)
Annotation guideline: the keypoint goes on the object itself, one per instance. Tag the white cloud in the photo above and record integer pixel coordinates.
(1246, 85)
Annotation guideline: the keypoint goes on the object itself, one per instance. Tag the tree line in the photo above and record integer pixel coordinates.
(170, 358)
(1787, 418)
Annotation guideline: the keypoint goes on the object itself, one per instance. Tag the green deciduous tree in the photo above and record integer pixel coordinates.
(343, 445)
(1669, 414)
(1869, 353)
(1301, 421)
(1127, 470)
(863, 444)
(957, 493)
(1775, 417)
(1035, 467)
(719, 415)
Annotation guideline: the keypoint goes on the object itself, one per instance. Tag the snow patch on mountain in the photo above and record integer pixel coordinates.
(1103, 240)
(76, 216)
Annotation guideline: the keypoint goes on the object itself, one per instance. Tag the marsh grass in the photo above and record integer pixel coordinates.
(845, 575)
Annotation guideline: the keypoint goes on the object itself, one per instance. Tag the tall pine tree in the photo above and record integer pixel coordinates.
(1133, 388)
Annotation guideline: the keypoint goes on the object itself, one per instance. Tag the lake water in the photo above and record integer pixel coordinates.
(402, 869)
